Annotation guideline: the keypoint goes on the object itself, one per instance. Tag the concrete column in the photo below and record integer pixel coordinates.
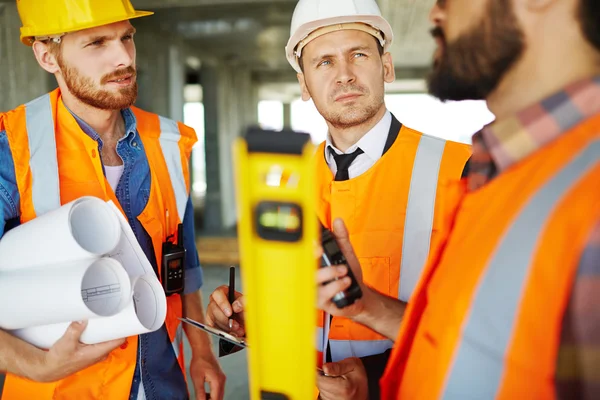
(21, 78)
(230, 105)
(176, 82)
(287, 115)
(152, 61)
(160, 65)
(210, 94)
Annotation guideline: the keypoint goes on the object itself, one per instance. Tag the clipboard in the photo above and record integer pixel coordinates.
(217, 332)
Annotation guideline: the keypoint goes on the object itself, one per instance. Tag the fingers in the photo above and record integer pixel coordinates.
(219, 296)
(74, 331)
(238, 328)
(333, 369)
(343, 239)
(99, 351)
(200, 391)
(216, 384)
(346, 380)
(340, 231)
(240, 303)
(327, 274)
(216, 318)
(69, 342)
(339, 368)
(327, 292)
(332, 388)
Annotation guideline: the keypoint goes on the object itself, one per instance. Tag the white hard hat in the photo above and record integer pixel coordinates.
(312, 15)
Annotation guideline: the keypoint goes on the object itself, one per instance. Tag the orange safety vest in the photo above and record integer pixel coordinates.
(486, 319)
(389, 212)
(55, 163)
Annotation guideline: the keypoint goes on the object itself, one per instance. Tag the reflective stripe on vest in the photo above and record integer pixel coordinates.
(489, 325)
(418, 226)
(169, 143)
(418, 223)
(42, 149)
(320, 340)
(177, 340)
(44, 162)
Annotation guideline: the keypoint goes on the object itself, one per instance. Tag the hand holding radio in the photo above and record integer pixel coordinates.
(340, 277)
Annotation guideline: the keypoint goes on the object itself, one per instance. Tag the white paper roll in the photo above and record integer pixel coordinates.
(75, 291)
(146, 312)
(82, 229)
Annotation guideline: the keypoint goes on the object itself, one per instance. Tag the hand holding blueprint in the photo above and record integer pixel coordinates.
(79, 262)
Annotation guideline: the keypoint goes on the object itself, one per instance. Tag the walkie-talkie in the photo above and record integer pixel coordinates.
(332, 255)
(173, 265)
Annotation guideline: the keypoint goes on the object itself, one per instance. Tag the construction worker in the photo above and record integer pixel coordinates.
(509, 307)
(380, 176)
(86, 138)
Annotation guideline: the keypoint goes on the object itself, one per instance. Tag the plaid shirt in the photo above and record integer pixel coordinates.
(501, 144)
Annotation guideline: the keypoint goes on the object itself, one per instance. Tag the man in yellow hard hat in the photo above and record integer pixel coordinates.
(86, 138)
(383, 178)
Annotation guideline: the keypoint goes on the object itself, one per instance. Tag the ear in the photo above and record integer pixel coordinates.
(389, 73)
(46, 59)
(303, 88)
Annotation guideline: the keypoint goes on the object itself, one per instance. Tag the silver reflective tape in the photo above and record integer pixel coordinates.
(479, 363)
(169, 143)
(341, 349)
(419, 213)
(43, 158)
(177, 340)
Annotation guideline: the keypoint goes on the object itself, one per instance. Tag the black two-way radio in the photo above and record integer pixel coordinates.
(332, 255)
(173, 265)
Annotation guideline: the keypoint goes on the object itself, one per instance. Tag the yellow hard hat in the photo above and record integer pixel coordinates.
(43, 18)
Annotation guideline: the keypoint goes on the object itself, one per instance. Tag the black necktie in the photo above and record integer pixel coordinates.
(343, 162)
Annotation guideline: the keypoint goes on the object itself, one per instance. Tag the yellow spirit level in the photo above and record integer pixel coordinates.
(278, 231)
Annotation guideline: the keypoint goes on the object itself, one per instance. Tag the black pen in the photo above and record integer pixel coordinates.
(231, 293)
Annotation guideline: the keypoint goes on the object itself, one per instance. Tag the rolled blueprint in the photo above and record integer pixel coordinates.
(79, 262)
(145, 313)
(72, 291)
(82, 229)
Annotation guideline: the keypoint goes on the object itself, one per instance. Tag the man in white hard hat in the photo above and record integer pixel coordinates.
(86, 139)
(380, 177)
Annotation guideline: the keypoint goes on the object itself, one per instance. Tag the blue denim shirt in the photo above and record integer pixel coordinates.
(157, 365)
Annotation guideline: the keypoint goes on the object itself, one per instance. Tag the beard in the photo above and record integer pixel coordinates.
(83, 88)
(355, 114)
(471, 67)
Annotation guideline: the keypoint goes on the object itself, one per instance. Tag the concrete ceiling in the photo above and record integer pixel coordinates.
(254, 32)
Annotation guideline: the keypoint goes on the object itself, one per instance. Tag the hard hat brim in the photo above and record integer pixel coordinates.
(303, 31)
(28, 36)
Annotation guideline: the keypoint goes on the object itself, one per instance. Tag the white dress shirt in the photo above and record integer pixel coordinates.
(372, 143)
